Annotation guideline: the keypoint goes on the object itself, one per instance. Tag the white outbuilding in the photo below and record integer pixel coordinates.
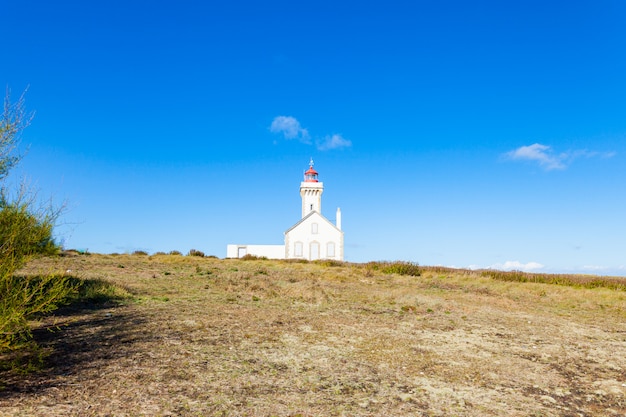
(313, 237)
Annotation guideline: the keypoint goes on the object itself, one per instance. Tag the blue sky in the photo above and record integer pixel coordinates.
(466, 134)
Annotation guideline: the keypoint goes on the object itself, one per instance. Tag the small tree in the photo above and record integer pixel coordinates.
(24, 231)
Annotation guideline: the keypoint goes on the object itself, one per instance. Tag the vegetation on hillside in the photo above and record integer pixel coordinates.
(262, 337)
(572, 280)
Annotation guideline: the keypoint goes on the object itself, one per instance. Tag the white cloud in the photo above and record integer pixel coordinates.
(290, 128)
(600, 268)
(508, 266)
(595, 268)
(333, 142)
(537, 267)
(539, 153)
(517, 266)
(590, 154)
(548, 159)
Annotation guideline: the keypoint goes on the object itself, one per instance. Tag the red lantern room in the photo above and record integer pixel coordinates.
(311, 174)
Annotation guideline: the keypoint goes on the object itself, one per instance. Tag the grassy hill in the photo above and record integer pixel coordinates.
(192, 336)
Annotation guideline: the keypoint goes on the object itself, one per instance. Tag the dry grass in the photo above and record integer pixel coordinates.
(210, 337)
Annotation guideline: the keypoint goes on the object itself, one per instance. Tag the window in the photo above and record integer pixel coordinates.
(330, 249)
(297, 249)
(314, 228)
(242, 251)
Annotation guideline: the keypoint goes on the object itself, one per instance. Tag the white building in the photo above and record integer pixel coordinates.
(313, 237)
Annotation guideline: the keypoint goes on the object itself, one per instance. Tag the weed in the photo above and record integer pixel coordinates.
(408, 308)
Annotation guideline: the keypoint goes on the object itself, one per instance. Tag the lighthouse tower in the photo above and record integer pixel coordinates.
(311, 192)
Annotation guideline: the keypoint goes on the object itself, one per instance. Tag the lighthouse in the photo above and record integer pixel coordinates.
(312, 237)
(311, 191)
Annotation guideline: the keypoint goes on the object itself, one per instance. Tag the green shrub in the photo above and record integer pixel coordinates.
(195, 252)
(250, 257)
(23, 298)
(23, 234)
(396, 267)
(140, 253)
(176, 253)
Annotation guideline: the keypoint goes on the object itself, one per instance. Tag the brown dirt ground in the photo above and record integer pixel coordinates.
(210, 337)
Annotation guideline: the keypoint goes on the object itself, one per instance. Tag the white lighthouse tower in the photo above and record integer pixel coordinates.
(311, 192)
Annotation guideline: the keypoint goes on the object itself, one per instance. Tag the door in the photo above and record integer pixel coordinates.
(315, 251)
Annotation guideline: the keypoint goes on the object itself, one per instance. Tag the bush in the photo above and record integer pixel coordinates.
(250, 257)
(23, 234)
(176, 253)
(140, 253)
(397, 267)
(23, 298)
(195, 252)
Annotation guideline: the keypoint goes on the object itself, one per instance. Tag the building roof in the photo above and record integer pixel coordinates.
(313, 213)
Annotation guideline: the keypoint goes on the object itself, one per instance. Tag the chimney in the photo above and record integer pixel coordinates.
(338, 218)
